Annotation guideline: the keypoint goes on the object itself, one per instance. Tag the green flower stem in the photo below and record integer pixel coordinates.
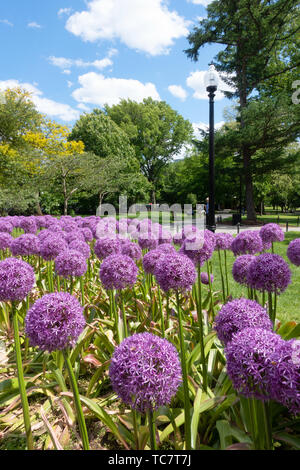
(268, 425)
(116, 315)
(82, 290)
(200, 322)
(270, 305)
(123, 313)
(135, 429)
(187, 420)
(79, 412)
(226, 273)
(161, 314)
(22, 387)
(210, 291)
(151, 424)
(71, 285)
(274, 308)
(222, 277)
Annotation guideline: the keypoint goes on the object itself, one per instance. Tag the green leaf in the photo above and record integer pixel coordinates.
(291, 440)
(289, 330)
(224, 431)
(195, 418)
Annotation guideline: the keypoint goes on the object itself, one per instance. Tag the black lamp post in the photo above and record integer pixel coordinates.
(211, 82)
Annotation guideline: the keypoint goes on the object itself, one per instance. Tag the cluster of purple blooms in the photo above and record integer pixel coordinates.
(199, 246)
(70, 263)
(17, 279)
(293, 252)
(145, 371)
(175, 272)
(118, 272)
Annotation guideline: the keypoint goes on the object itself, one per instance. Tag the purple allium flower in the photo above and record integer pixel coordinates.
(70, 263)
(166, 248)
(82, 247)
(271, 233)
(204, 278)
(178, 238)
(16, 279)
(249, 360)
(145, 371)
(106, 228)
(269, 272)
(28, 224)
(240, 268)
(293, 252)
(284, 376)
(105, 247)
(148, 241)
(25, 245)
(51, 246)
(199, 247)
(175, 271)
(5, 240)
(247, 242)
(118, 272)
(131, 249)
(54, 322)
(150, 259)
(74, 235)
(223, 241)
(6, 226)
(165, 237)
(87, 233)
(239, 314)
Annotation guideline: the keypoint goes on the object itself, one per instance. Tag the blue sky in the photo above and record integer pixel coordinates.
(77, 55)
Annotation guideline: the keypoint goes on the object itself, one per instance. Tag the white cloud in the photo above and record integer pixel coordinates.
(70, 84)
(43, 105)
(34, 25)
(196, 81)
(143, 25)
(66, 72)
(202, 126)
(64, 11)
(66, 64)
(98, 90)
(178, 91)
(83, 107)
(8, 23)
(200, 2)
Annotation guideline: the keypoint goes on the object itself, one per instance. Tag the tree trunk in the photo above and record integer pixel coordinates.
(38, 207)
(153, 196)
(66, 206)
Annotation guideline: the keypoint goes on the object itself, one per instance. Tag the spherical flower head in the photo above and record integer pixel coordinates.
(145, 226)
(249, 359)
(166, 248)
(271, 233)
(131, 249)
(175, 271)
(105, 247)
(52, 246)
(28, 224)
(165, 237)
(240, 268)
(223, 241)
(150, 259)
(293, 252)
(199, 247)
(16, 279)
(145, 371)
(5, 240)
(70, 263)
(54, 322)
(106, 228)
(238, 315)
(269, 272)
(248, 242)
(123, 226)
(82, 247)
(25, 245)
(74, 235)
(87, 233)
(178, 238)
(284, 376)
(148, 240)
(6, 226)
(205, 279)
(118, 272)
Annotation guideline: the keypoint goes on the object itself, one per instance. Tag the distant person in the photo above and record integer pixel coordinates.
(207, 209)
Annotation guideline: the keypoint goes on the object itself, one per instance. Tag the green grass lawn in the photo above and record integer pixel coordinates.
(281, 219)
(288, 303)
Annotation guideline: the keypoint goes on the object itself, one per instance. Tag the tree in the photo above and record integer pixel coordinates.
(156, 132)
(255, 35)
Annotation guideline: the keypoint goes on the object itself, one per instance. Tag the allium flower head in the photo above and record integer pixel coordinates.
(5, 240)
(87, 233)
(70, 263)
(145, 371)
(51, 246)
(166, 248)
(74, 235)
(118, 272)
(150, 259)
(148, 240)
(105, 247)
(82, 247)
(54, 322)
(269, 272)
(293, 252)
(284, 376)
(205, 279)
(175, 271)
(25, 245)
(271, 233)
(223, 241)
(240, 268)
(239, 314)
(164, 237)
(28, 224)
(6, 226)
(16, 279)
(247, 242)
(249, 359)
(199, 247)
(131, 249)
